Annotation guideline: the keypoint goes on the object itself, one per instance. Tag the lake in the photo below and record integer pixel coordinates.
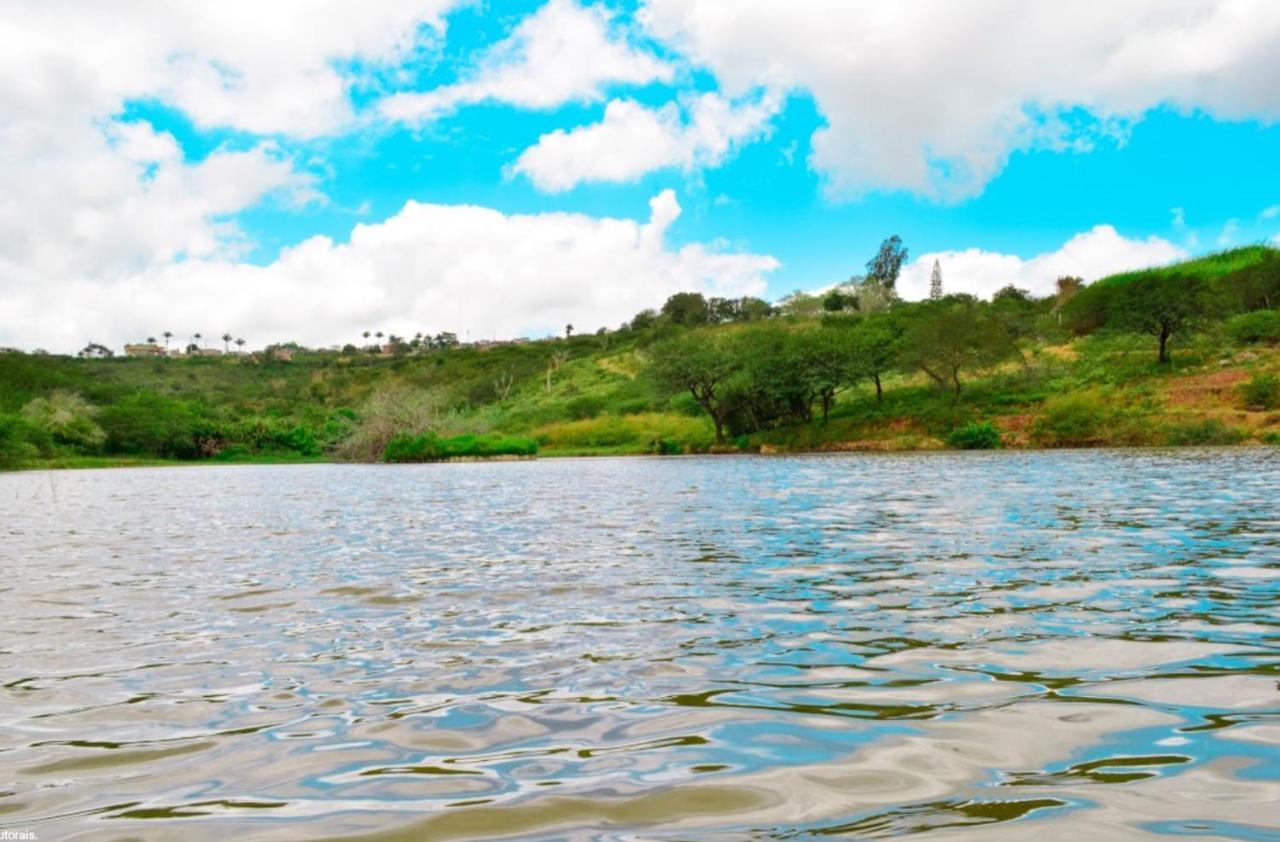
(992, 646)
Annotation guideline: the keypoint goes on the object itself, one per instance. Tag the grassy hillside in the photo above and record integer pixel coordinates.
(1027, 372)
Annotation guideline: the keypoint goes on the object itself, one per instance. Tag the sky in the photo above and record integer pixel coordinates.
(307, 170)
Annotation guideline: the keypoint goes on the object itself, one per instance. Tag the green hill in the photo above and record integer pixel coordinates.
(1076, 369)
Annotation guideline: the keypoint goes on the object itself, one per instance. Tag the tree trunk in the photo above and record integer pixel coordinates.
(955, 380)
(719, 422)
(1164, 345)
(826, 406)
(879, 389)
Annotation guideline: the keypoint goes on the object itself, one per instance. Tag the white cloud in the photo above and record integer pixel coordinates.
(429, 268)
(1270, 213)
(85, 192)
(932, 96)
(633, 140)
(1094, 254)
(562, 53)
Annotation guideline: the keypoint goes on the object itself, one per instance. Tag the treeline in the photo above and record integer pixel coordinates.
(751, 368)
(782, 373)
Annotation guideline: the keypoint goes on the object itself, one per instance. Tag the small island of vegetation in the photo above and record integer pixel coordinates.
(1177, 355)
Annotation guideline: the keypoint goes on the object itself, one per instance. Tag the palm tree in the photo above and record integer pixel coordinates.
(168, 334)
(240, 345)
(151, 340)
(226, 342)
(568, 331)
(379, 334)
(196, 337)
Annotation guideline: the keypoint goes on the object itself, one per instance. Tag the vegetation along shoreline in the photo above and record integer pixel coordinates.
(1186, 354)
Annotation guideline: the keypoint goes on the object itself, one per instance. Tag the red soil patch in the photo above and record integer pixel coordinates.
(1215, 389)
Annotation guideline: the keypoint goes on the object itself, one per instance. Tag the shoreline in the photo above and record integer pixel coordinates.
(124, 463)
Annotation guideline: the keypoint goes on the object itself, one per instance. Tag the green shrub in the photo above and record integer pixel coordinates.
(666, 447)
(1261, 390)
(584, 406)
(16, 445)
(431, 448)
(1272, 437)
(68, 418)
(1075, 420)
(1209, 431)
(976, 435)
(1255, 328)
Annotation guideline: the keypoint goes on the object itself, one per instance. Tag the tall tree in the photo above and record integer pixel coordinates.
(1160, 305)
(168, 334)
(884, 268)
(947, 338)
(706, 368)
(875, 344)
(686, 308)
(226, 342)
(935, 282)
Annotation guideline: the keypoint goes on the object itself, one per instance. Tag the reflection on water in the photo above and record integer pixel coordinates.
(973, 646)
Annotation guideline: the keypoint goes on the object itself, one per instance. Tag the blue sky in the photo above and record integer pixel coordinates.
(514, 166)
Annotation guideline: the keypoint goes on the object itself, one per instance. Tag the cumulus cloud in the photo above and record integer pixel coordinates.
(1094, 254)
(932, 96)
(428, 268)
(633, 140)
(562, 53)
(85, 191)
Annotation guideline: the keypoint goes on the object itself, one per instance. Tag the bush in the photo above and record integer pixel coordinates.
(16, 441)
(1209, 431)
(1261, 390)
(1077, 420)
(975, 436)
(584, 406)
(1255, 328)
(643, 433)
(68, 418)
(430, 448)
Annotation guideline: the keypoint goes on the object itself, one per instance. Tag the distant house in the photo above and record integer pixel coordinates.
(283, 355)
(143, 349)
(209, 352)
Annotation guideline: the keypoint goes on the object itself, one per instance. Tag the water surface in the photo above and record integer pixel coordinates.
(971, 646)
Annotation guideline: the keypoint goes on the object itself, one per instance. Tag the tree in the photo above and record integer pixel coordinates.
(706, 368)
(1066, 288)
(568, 331)
(837, 301)
(95, 351)
(935, 282)
(875, 343)
(644, 319)
(833, 364)
(554, 362)
(240, 345)
(751, 309)
(226, 342)
(1162, 305)
(951, 336)
(686, 308)
(151, 340)
(1017, 313)
(68, 418)
(195, 340)
(884, 268)
(168, 334)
